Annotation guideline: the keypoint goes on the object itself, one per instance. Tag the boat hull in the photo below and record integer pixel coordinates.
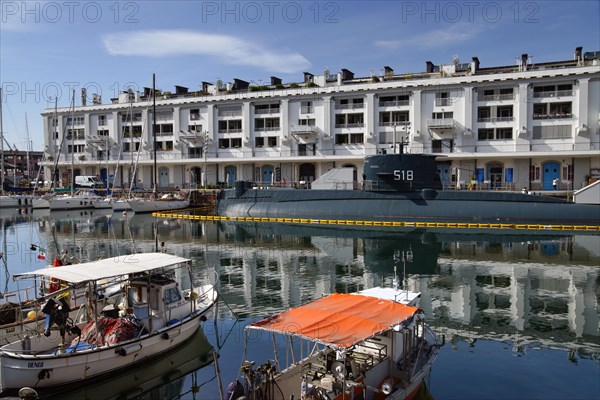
(71, 202)
(148, 206)
(427, 205)
(14, 201)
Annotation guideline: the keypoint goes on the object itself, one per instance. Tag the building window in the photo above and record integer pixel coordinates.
(166, 145)
(272, 141)
(485, 134)
(272, 108)
(503, 133)
(236, 142)
(307, 122)
(356, 138)
(534, 173)
(341, 139)
(391, 118)
(484, 114)
(442, 115)
(306, 107)
(78, 120)
(136, 129)
(442, 99)
(266, 124)
(223, 143)
(164, 129)
(129, 117)
(195, 114)
(394, 101)
(231, 126)
(102, 132)
(552, 132)
(101, 120)
(259, 142)
(229, 111)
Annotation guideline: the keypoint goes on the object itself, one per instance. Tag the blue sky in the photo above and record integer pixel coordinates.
(49, 47)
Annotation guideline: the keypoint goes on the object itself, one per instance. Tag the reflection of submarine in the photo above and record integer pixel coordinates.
(425, 245)
(161, 379)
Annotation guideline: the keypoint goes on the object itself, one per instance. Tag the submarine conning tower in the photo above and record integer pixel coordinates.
(401, 172)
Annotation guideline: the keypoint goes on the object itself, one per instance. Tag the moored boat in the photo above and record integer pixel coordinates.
(153, 315)
(343, 346)
(166, 202)
(80, 200)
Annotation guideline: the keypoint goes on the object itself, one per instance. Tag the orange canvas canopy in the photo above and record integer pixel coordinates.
(341, 320)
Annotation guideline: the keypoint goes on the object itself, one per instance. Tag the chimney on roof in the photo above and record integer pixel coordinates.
(578, 51)
(474, 64)
(428, 67)
(147, 91)
(308, 77)
(388, 71)
(275, 81)
(347, 74)
(180, 90)
(524, 58)
(239, 84)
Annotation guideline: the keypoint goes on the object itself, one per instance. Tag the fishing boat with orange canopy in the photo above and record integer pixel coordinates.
(343, 346)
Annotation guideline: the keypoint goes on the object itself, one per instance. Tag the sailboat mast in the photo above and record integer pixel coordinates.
(73, 145)
(154, 130)
(28, 145)
(1, 147)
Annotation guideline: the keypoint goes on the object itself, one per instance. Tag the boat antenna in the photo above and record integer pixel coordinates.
(154, 131)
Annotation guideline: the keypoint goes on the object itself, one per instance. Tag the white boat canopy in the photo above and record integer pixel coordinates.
(106, 268)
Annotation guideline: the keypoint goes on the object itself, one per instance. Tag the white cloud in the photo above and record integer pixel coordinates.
(227, 49)
(436, 38)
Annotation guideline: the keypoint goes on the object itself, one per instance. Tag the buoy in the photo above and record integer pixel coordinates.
(28, 393)
(32, 315)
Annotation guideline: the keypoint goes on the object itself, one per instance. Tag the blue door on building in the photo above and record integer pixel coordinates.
(444, 171)
(267, 177)
(230, 174)
(550, 172)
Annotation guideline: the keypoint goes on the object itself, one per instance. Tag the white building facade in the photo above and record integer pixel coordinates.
(508, 128)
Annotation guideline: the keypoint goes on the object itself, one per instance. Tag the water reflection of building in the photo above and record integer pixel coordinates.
(478, 286)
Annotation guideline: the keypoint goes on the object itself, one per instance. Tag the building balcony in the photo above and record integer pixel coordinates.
(495, 119)
(354, 106)
(442, 123)
(303, 129)
(266, 111)
(394, 123)
(552, 116)
(350, 125)
(232, 130)
(495, 97)
(443, 102)
(267, 129)
(553, 93)
(397, 103)
(229, 113)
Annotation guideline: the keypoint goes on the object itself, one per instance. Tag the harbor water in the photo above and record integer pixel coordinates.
(519, 311)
